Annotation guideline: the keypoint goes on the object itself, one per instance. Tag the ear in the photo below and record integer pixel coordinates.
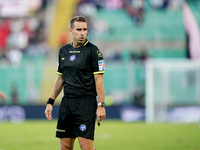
(70, 31)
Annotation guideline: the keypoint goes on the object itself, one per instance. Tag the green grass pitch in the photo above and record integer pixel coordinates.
(112, 135)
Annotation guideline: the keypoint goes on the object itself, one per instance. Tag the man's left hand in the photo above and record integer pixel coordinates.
(101, 113)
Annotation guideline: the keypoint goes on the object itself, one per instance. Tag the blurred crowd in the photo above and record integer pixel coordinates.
(134, 8)
(22, 36)
(25, 35)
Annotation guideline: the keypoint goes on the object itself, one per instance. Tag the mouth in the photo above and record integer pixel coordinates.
(82, 38)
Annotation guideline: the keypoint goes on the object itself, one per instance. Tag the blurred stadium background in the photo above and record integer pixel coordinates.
(130, 33)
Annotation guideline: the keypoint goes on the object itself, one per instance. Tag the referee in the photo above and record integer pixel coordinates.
(80, 71)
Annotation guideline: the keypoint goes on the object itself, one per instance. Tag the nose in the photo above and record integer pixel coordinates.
(82, 32)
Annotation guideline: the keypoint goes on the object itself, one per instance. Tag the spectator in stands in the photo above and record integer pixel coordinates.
(14, 56)
(18, 36)
(4, 59)
(5, 31)
(175, 4)
(33, 93)
(100, 4)
(32, 51)
(37, 40)
(44, 4)
(134, 56)
(114, 4)
(42, 47)
(156, 3)
(14, 94)
(139, 6)
(138, 98)
(117, 56)
(135, 8)
(159, 4)
(142, 55)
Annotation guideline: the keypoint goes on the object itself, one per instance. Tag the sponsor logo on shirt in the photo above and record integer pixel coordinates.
(74, 51)
(59, 130)
(101, 65)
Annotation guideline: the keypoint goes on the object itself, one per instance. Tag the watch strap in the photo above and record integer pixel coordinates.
(102, 104)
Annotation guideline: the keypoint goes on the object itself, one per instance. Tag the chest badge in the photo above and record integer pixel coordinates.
(72, 58)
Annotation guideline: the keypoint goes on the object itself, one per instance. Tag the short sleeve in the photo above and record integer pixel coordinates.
(98, 64)
(59, 71)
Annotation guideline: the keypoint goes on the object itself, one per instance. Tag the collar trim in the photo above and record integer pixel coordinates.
(86, 42)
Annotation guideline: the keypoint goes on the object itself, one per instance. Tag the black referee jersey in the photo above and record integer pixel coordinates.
(78, 66)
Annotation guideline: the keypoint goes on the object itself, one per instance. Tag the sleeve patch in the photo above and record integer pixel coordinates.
(101, 65)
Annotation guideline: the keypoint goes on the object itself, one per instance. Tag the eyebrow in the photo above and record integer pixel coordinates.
(81, 28)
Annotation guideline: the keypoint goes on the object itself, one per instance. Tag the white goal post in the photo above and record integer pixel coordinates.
(172, 90)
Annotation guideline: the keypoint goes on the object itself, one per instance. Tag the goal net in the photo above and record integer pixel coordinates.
(172, 91)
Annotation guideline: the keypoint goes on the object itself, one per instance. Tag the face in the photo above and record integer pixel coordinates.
(79, 32)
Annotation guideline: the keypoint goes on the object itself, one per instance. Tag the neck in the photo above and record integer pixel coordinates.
(76, 45)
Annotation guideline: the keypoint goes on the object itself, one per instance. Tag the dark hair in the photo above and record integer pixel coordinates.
(77, 18)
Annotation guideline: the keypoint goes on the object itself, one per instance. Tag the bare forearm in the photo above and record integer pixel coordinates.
(56, 88)
(99, 88)
(100, 93)
(101, 112)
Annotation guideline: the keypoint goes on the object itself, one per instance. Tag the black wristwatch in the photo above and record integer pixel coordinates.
(102, 104)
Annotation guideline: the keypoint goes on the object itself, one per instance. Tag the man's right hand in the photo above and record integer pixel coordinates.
(48, 112)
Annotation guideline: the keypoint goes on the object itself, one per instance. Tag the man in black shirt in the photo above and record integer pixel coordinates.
(80, 72)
